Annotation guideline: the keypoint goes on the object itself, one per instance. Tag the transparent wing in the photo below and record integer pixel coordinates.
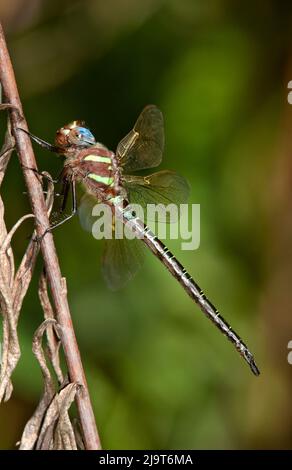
(163, 187)
(143, 146)
(85, 206)
(121, 260)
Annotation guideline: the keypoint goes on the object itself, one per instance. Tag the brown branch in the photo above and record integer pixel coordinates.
(56, 281)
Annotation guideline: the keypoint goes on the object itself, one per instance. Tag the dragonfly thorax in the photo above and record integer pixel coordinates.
(74, 136)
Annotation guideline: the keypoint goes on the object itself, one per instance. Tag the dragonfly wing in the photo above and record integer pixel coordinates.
(85, 207)
(163, 187)
(143, 146)
(122, 258)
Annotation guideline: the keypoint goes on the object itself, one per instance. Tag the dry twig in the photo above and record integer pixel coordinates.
(13, 289)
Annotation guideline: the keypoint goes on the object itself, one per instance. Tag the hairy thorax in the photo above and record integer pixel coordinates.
(96, 169)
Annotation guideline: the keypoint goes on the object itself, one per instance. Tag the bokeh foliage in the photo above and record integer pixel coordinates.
(160, 375)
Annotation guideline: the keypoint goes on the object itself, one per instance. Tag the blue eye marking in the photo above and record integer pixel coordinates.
(86, 134)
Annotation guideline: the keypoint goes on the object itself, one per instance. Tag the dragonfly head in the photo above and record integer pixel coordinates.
(74, 135)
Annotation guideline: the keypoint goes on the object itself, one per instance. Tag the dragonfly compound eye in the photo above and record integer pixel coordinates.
(74, 134)
(84, 136)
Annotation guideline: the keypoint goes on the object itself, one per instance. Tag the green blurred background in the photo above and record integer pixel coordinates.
(160, 375)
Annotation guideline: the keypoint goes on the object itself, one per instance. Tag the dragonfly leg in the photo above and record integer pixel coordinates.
(39, 141)
(65, 219)
(73, 212)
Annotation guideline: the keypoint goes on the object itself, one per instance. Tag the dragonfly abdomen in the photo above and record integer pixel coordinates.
(193, 289)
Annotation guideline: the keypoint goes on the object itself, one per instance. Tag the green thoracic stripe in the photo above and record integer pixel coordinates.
(107, 180)
(97, 158)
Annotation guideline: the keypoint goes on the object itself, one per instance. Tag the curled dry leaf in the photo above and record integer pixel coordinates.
(11, 298)
(5, 154)
(78, 434)
(6, 151)
(50, 426)
(26, 267)
(57, 430)
(6, 266)
(53, 341)
(10, 344)
(13, 287)
(7, 106)
(33, 426)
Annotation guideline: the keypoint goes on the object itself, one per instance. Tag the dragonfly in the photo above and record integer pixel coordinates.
(106, 177)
